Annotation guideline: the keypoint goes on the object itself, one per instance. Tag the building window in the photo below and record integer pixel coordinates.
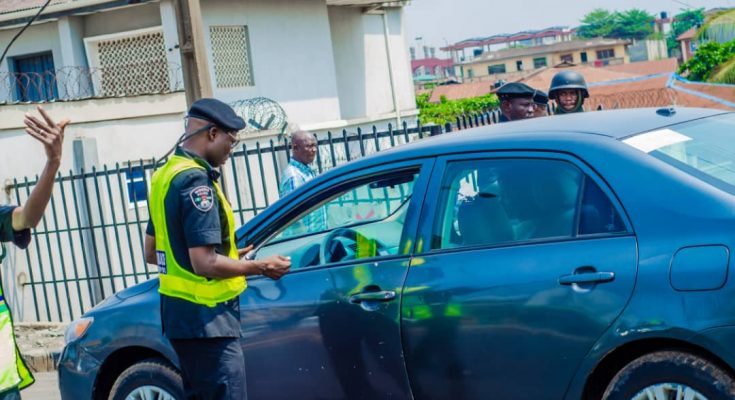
(34, 77)
(539, 62)
(567, 58)
(231, 56)
(519, 65)
(470, 73)
(130, 63)
(476, 52)
(496, 69)
(135, 179)
(583, 56)
(605, 54)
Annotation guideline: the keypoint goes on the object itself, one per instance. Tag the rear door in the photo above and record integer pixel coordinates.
(330, 328)
(525, 260)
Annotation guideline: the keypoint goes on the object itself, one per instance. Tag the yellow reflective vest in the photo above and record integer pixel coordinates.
(177, 281)
(13, 372)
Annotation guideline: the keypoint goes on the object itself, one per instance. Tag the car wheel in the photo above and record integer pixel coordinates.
(149, 379)
(670, 375)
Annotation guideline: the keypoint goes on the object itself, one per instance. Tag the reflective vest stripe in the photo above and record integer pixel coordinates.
(177, 281)
(13, 372)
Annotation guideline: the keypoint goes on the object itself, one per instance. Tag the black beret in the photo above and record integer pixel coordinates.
(540, 97)
(515, 90)
(218, 113)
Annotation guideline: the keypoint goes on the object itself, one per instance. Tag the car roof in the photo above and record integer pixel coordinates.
(615, 124)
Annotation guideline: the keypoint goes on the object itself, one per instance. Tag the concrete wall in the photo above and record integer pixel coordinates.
(360, 55)
(291, 55)
(122, 20)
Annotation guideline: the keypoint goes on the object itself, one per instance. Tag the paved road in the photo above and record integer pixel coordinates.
(45, 388)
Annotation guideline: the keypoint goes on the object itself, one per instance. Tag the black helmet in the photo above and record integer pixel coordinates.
(568, 80)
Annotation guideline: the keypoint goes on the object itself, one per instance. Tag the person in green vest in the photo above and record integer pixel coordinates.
(15, 225)
(191, 237)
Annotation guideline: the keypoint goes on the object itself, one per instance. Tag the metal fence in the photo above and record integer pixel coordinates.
(90, 241)
(76, 83)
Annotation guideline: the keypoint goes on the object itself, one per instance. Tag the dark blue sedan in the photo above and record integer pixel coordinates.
(583, 256)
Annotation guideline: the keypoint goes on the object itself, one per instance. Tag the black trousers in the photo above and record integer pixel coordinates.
(212, 368)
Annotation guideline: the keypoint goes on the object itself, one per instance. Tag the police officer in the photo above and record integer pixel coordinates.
(516, 101)
(568, 89)
(191, 237)
(15, 224)
(541, 103)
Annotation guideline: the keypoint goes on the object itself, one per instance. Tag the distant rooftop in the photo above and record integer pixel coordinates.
(545, 49)
(509, 37)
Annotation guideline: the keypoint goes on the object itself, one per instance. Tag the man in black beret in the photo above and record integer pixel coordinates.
(191, 237)
(541, 103)
(516, 101)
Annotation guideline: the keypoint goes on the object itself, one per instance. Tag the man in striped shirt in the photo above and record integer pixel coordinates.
(298, 172)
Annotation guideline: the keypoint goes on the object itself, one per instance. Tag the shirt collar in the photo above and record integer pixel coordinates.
(301, 166)
(211, 172)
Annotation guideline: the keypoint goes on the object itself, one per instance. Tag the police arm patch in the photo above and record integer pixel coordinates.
(202, 197)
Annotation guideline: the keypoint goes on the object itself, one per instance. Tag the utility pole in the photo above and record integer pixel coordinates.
(197, 81)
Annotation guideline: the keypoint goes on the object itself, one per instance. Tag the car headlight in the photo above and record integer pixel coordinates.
(77, 329)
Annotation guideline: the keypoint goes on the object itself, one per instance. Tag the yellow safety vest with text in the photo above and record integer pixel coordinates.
(177, 281)
(13, 371)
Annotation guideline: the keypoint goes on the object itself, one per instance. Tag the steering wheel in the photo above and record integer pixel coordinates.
(333, 250)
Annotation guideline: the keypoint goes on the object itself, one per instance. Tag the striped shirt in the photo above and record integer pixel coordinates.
(295, 175)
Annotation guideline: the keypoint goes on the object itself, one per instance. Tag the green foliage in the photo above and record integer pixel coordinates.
(725, 73)
(708, 59)
(597, 23)
(682, 23)
(449, 110)
(632, 24)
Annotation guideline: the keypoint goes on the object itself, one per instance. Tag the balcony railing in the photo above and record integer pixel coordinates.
(78, 83)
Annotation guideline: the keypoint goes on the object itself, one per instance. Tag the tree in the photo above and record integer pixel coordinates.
(682, 23)
(598, 23)
(712, 62)
(633, 24)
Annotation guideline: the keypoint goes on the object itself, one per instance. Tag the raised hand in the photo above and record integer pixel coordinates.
(48, 132)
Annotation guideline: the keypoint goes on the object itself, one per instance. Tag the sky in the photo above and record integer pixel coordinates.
(439, 22)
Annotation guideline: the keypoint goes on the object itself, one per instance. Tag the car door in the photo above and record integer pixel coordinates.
(329, 329)
(525, 259)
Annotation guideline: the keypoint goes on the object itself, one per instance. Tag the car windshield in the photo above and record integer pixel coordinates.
(704, 149)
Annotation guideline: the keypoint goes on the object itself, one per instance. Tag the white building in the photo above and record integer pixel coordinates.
(114, 69)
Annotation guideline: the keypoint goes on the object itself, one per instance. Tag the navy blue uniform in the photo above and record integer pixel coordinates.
(206, 339)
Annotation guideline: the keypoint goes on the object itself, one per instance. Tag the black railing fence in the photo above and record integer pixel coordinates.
(90, 241)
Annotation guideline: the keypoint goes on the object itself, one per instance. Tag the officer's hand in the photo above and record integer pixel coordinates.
(276, 266)
(48, 132)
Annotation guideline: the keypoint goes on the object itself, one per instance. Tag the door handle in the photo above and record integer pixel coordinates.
(384, 295)
(588, 277)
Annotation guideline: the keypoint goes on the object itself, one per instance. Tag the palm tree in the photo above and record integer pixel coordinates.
(720, 28)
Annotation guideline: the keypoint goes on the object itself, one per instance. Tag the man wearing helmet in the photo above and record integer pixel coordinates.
(568, 89)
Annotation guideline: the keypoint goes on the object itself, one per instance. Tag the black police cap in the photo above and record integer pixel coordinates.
(515, 90)
(218, 113)
(540, 97)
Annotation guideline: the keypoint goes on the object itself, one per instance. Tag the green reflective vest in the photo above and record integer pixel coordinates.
(13, 371)
(177, 281)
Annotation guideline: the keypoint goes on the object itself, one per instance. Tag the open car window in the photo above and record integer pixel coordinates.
(363, 221)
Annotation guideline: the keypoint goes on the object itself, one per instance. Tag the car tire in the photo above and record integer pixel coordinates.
(669, 371)
(148, 377)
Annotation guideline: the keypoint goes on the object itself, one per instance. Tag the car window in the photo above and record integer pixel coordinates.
(703, 148)
(496, 201)
(363, 221)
